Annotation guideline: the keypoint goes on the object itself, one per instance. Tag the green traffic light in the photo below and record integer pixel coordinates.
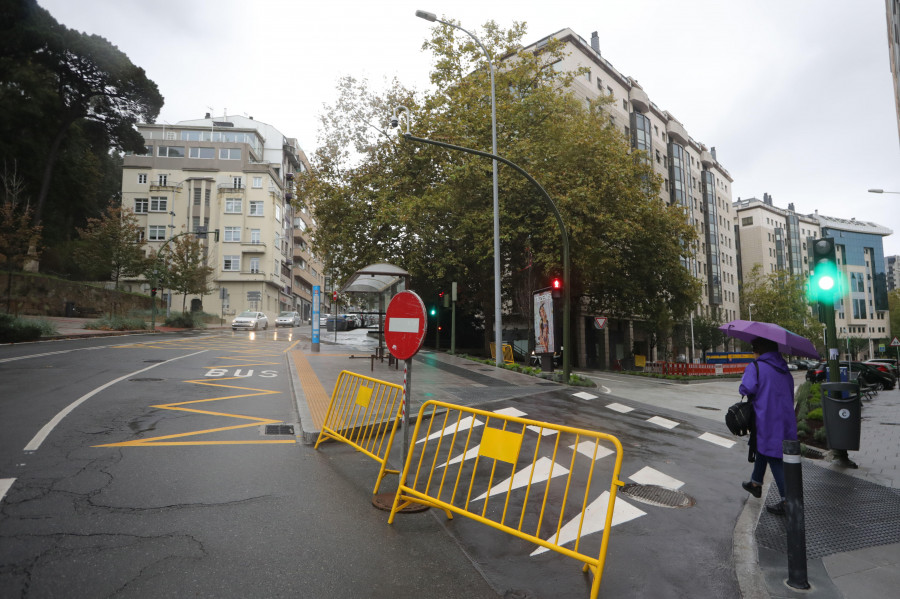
(826, 283)
(433, 311)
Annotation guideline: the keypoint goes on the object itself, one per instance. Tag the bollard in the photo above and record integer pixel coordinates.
(796, 520)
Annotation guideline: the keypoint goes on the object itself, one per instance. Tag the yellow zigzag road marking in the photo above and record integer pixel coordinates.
(163, 440)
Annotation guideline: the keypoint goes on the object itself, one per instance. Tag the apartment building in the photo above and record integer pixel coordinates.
(692, 177)
(892, 10)
(892, 271)
(772, 237)
(231, 178)
(780, 240)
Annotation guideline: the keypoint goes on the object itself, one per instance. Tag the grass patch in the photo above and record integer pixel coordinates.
(556, 376)
(117, 323)
(17, 330)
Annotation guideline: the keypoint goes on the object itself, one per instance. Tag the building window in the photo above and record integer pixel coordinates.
(158, 204)
(195, 223)
(140, 205)
(162, 180)
(202, 152)
(232, 205)
(257, 182)
(625, 104)
(254, 265)
(256, 208)
(255, 236)
(156, 232)
(142, 179)
(170, 151)
(207, 197)
(232, 233)
(231, 263)
(229, 153)
(237, 182)
(197, 193)
(587, 74)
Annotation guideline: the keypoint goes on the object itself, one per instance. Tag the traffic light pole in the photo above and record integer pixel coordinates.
(834, 369)
(567, 282)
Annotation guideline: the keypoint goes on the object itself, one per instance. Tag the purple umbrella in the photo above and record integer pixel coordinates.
(788, 342)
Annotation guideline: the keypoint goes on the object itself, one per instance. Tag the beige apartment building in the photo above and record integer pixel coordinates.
(232, 178)
(692, 177)
(780, 239)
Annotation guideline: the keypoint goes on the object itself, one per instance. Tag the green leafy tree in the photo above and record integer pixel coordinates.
(780, 297)
(185, 268)
(378, 198)
(19, 237)
(894, 311)
(707, 334)
(54, 80)
(111, 246)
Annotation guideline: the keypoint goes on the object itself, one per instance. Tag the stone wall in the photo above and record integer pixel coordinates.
(37, 295)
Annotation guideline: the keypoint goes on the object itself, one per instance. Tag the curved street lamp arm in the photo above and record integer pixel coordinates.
(567, 290)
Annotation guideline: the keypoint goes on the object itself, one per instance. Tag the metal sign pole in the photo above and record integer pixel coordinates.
(407, 390)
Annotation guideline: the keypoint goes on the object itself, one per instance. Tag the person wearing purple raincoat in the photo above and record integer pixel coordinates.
(771, 389)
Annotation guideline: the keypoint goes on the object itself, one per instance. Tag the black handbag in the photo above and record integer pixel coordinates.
(740, 418)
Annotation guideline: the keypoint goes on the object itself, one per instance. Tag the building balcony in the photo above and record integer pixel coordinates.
(639, 99)
(251, 247)
(230, 188)
(676, 130)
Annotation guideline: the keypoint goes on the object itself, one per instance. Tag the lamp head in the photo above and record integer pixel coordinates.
(428, 16)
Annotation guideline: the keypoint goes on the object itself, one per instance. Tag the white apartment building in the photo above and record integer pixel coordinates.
(231, 177)
(780, 239)
(692, 177)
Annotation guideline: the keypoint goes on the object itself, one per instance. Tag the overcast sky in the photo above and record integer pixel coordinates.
(795, 96)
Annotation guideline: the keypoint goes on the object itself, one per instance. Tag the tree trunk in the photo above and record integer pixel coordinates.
(52, 154)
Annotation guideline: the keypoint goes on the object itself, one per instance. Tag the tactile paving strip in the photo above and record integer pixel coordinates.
(843, 513)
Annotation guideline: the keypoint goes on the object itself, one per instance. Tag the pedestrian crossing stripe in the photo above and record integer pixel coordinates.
(651, 476)
(463, 425)
(544, 469)
(584, 395)
(663, 422)
(728, 443)
(617, 407)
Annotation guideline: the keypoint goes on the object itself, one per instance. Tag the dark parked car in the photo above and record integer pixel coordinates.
(890, 364)
(865, 373)
(340, 322)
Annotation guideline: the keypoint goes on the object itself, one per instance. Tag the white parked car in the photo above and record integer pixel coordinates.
(288, 319)
(250, 320)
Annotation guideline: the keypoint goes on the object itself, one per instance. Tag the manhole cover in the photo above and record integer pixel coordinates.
(658, 496)
(279, 429)
(707, 408)
(145, 380)
(153, 361)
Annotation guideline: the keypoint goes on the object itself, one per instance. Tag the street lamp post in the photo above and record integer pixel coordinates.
(750, 308)
(883, 191)
(498, 325)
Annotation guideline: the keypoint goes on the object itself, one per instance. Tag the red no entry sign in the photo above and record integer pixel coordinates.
(405, 325)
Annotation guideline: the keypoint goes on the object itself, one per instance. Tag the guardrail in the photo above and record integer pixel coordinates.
(474, 455)
(364, 413)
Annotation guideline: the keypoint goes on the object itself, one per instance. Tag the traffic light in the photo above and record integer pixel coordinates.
(825, 280)
(432, 311)
(556, 287)
(153, 292)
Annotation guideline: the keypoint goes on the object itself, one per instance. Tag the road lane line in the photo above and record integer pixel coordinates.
(5, 484)
(48, 428)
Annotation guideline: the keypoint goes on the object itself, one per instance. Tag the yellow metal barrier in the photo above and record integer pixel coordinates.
(508, 357)
(466, 456)
(364, 413)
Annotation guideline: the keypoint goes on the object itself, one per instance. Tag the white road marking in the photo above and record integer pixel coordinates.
(586, 448)
(520, 478)
(663, 422)
(48, 428)
(717, 440)
(50, 353)
(5, 484)
(584, 395)
(649, 476)
(617, 407)
(594, 520)
(464, 424)
(510, 412)
(467, 456)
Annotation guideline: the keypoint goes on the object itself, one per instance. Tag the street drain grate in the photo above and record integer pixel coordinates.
(658, 496)
(146, 380)
(708, 408)
(279, 429)
(808, 452)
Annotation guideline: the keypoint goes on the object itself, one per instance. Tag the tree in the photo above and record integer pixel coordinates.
(54, 79)
(894, 311)
(186, 271)
(707, 334)
(377, 198)
(18, 236)
(780, 297)
(111, 246)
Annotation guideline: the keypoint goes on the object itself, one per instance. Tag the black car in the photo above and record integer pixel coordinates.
(865, 373)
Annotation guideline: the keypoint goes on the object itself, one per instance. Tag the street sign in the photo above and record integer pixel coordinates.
(254, 296)
(600, 322)
(405, 325)
(895, 342)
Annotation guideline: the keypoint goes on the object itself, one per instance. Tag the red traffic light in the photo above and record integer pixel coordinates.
(153, 292)
(441, 294)
(556, 283)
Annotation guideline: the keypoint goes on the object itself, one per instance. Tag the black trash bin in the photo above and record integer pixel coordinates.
(70, 309)
(842, 412)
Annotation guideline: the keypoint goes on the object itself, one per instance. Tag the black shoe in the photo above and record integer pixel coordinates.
(776, 508)
(753, 488)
